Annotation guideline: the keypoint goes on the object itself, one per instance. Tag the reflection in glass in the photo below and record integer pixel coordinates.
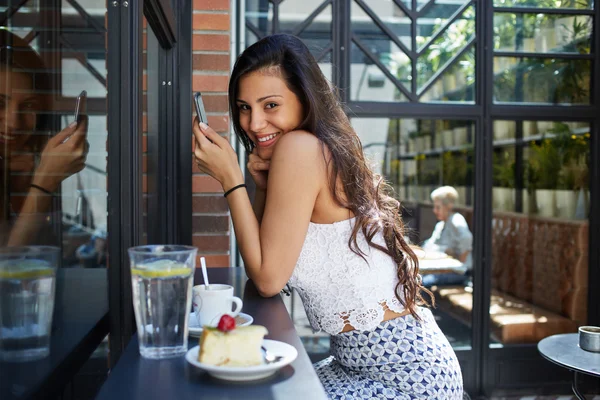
(541, 204)
(541, 80)
(417, 157)
(27, 285)
(543, 33)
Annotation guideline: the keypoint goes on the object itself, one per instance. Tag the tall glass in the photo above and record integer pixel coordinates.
(162, 278)
(27, 285)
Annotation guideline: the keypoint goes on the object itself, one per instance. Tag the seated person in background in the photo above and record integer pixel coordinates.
(451, 235)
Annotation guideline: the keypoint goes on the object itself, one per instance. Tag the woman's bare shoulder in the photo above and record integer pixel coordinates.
(298, 145)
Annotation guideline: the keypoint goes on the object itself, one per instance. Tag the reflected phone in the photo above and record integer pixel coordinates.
(200, 108)
(80, 106)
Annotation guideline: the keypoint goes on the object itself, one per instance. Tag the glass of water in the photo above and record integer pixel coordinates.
(162, 278)
(27, 285)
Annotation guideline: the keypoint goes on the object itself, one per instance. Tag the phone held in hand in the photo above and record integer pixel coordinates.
(80, 106)
(200, 108)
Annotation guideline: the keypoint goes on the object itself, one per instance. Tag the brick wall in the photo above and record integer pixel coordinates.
(211, 61)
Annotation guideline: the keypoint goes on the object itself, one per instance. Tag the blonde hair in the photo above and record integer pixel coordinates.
(446, 194)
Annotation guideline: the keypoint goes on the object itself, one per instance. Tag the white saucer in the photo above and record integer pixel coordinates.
(288, 352)
(195, 330)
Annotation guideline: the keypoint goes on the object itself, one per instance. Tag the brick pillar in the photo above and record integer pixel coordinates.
(211, 64)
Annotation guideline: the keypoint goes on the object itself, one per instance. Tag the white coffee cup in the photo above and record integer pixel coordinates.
(211, 305)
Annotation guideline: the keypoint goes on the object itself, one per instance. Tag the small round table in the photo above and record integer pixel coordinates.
(564, 350)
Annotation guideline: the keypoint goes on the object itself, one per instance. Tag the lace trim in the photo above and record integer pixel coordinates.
(337, 287)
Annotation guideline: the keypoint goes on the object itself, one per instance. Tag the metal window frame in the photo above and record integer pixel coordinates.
(125, 108)
(482, 360)
(124, 163)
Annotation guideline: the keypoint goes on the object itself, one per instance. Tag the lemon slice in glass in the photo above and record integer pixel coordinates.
(25, 269)
(161, 269)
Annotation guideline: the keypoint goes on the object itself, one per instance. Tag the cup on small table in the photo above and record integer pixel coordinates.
(589, 338)
(210, 304)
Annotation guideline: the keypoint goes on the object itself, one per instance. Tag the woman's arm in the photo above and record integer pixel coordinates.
(271, 250)
(260, 198)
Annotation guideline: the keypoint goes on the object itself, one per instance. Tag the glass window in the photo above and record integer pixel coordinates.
(53, 182)
(541, 204)
(436, 65)
(295, 18)
(549, 78)
(577, 4)
(417, 157)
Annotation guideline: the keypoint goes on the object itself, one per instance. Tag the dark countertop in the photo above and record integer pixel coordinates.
(80, 324)
(136, 378)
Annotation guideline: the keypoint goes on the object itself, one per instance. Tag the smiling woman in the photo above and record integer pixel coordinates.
(325, 223)
(267, 109)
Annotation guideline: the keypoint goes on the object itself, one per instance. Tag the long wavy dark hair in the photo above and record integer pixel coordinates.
(368, 196)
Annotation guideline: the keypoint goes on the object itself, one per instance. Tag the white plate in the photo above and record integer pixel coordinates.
(288, 352)
(195, 330)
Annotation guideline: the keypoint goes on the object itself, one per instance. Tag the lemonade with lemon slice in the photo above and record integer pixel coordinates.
(26, 306)
(162, 284)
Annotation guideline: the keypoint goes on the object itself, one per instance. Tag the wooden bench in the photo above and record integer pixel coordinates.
(539, 278)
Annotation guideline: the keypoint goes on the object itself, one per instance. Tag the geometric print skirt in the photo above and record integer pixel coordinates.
(401, 359)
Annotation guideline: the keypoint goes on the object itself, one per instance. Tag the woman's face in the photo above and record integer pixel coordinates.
(18, 106)
(441, 210)
(268, 110)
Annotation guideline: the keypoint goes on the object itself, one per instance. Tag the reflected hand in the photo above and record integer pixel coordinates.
(259, 169)
(63, 156)
(215, 156)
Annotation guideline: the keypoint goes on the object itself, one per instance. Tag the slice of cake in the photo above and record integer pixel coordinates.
(237, 347)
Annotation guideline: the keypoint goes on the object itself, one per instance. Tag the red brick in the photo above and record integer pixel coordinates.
(144, 144)
(210, 42)
(209, 204)
(212, 5)
(217, 103)
(210, 62)
(210, 83)
(211, 22)
(205, 184)
(211, 244)
(210, 224)
(219, 123)
(213, 260)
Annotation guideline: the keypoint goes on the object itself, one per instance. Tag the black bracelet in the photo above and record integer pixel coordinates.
(234, 188)
(41, 189)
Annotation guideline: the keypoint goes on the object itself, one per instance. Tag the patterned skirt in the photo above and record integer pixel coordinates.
(401, 359)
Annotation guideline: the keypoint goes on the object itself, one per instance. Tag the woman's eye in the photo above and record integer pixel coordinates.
(244, 107)
(271, 105)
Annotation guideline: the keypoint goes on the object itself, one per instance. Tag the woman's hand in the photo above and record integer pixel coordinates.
(215, 156)
(63, 156)
(259, 169)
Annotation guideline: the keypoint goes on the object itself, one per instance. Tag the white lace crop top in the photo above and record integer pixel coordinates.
(337, 286)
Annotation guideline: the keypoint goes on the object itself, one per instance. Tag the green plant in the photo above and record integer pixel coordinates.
(504, 170)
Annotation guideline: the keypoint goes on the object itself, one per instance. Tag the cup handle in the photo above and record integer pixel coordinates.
(238, 306)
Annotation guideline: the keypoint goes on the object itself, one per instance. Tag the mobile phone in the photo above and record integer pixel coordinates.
(80, 106)
(200, 108)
